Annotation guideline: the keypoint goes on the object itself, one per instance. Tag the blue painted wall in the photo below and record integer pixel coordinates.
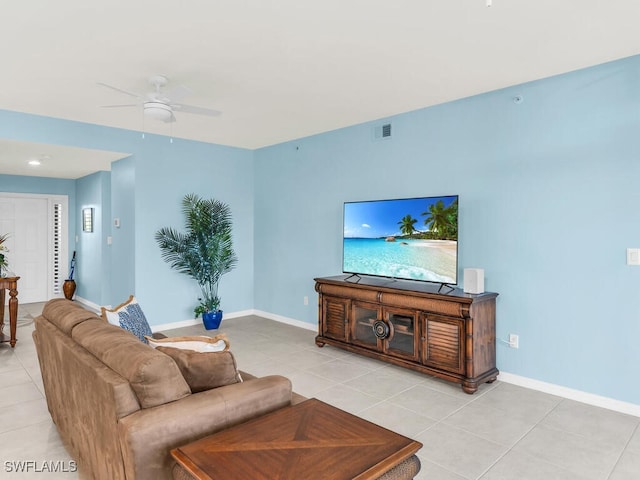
(123, 274)
(548, 205)
(164, 173)
(146, 191)
(92, 252)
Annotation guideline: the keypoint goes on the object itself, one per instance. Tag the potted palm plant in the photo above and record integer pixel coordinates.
(204, 251)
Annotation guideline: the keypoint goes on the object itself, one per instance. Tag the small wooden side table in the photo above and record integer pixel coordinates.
(11, 284)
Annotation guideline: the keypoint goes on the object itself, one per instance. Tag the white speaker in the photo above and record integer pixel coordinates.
(473, 280)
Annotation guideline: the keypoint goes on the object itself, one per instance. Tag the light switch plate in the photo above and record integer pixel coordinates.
(633, 256)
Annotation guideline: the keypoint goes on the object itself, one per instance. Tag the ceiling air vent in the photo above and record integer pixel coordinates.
(382, 131)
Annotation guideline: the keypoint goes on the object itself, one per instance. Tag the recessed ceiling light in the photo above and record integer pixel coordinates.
(34, 162)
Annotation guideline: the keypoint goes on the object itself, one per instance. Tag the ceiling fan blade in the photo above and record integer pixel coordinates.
(137, 95)
(118, 106)
(176, 94)
(181, 107)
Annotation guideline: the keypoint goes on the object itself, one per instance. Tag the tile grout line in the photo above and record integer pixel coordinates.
(509, 449)
(424, 382)
(635, 430)
(441, 421)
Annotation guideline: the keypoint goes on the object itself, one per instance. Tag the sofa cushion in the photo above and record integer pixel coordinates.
(66, 314)
(154, 376)
(205, 370)
(128, 315)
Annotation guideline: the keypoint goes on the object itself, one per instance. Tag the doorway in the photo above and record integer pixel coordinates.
(38, 242)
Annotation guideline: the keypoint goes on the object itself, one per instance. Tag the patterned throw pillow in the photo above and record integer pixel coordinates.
(130, 317)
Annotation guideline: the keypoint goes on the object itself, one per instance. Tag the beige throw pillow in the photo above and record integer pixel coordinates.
(204, 370)
(198, 343)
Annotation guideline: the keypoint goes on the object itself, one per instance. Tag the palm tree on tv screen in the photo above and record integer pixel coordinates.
(407, 225)
(451, 229)
(442, 220)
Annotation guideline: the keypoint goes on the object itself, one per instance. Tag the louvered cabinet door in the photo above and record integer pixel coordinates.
(443, 343)
(335, 318)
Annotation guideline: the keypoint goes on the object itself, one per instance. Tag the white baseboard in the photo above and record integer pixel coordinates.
(242, 313)
(172, 325)
(571, 394)
(165, 326)
(198, 321)
(287, 320)
(94, 307)
(559, 390)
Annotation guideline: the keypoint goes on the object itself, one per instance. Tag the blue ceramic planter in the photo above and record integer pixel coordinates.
(212, 320)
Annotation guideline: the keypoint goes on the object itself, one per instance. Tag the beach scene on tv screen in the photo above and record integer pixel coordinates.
(415, 239)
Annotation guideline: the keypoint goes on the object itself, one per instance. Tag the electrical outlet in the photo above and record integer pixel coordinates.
(514, 340)
(305, 300)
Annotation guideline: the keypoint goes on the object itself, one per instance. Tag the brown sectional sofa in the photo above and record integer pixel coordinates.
(120, 406)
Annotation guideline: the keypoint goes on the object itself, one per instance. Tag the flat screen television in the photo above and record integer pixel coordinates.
(409, 239)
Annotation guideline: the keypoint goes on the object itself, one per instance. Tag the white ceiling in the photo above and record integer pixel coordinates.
(285, 69)
(56, 161)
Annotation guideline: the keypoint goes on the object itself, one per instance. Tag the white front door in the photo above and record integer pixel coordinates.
(37, 243)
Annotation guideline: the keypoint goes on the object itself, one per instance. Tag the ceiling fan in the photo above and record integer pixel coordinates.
(159, 104)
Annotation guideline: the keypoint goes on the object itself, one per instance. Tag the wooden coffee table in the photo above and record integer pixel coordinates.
(310, 440)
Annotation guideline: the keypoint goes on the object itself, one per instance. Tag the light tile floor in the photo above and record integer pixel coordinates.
(501, 432)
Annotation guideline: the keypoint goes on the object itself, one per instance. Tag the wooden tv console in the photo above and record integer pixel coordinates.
(451, 335)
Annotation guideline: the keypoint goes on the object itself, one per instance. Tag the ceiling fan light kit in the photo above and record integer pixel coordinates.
(158, 111)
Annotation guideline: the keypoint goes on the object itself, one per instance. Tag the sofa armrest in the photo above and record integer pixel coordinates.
(148, 435)
(295, 397)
